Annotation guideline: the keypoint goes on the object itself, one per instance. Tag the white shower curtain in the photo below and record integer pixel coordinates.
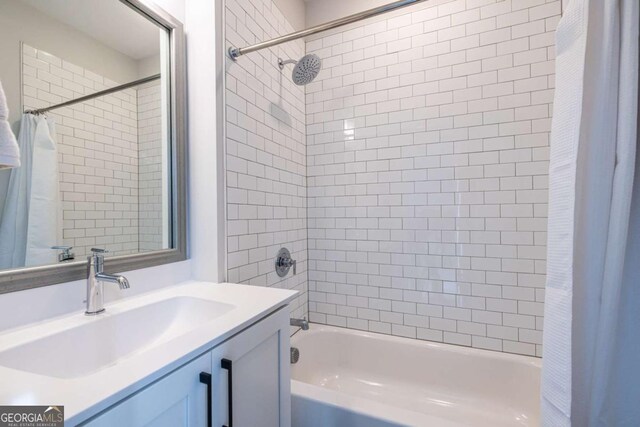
(30, 221)
(591, 369)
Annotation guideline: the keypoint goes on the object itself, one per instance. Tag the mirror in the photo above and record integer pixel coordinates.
(94, 92)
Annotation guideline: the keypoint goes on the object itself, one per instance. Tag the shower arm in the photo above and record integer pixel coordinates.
(282, 63)
(235, 52)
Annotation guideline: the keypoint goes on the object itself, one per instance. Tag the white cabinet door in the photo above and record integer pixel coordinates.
(177, 400)
(257, 362)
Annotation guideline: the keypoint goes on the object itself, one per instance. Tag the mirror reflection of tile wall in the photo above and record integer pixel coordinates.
(109, 155)
(150, 161)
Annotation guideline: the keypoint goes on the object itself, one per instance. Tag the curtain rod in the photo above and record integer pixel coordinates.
(235, 52)
(96, 95)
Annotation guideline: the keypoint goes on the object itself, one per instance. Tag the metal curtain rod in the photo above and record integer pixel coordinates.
(235, 52)
(95, 95)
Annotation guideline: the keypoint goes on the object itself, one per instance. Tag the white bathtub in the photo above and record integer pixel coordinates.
(348, 378)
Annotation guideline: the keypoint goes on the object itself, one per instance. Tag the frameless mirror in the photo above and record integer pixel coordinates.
(93, 88)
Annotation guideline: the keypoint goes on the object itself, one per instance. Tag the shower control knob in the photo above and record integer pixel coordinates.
(284, 262)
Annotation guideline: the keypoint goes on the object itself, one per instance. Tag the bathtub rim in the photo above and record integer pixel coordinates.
(386, 412)
(316, 328)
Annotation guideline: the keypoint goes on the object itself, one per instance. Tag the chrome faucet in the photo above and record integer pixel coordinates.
(95, 282)
(300, 323)
(66, 254)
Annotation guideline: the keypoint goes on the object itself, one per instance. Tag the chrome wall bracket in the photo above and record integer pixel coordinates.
(234, 53)
(284, 262)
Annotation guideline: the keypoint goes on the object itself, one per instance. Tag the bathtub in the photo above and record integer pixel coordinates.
(347, 378)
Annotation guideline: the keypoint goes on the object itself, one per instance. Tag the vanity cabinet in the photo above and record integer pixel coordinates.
(249, 376)
(177, 400)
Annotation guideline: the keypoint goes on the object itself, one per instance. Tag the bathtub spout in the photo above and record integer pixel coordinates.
(300, 323)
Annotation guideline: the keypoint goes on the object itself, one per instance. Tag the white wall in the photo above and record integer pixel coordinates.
(177, 8)
(149, 66)
(203, 76)
(427, 142)
(294, 12)
(321, 11)
(266, 156)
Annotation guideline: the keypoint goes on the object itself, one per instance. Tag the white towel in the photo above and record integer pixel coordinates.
(9, 151)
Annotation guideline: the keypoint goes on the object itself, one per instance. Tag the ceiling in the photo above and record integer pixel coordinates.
(108, 21)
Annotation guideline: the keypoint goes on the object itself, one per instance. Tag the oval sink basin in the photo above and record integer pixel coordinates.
(107, 338)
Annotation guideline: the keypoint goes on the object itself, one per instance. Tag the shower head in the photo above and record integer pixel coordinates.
(305, 70)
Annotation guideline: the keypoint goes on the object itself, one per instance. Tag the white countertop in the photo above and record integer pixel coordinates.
(85, 396)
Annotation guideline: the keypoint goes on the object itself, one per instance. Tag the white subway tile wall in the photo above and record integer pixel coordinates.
(150, 167)
(427, 161)
(265, 153)
(97, 151)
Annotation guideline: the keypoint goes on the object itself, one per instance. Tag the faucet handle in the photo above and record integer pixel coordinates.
(97, 255)
(66, 254)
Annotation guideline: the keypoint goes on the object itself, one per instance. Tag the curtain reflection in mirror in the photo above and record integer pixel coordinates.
(30, 222)
(9, 152)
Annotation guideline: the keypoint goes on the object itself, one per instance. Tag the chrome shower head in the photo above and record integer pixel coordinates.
(306, 69)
